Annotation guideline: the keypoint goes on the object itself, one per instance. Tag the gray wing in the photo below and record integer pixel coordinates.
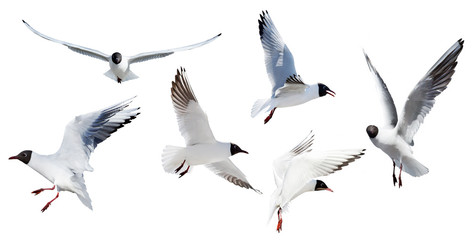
(389, 105)
(85, 132)
(76, 48)
(227, 170)
(163, 53)
(193, 122)
(278, 58)
(422, 98)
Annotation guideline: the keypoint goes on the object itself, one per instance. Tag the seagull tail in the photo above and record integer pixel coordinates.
(258, 106)
(81, 190)
(413, 167)
(172, 158)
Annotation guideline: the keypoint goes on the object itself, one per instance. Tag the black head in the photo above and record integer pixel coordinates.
(323, 90)
(320, 185)
(116, 58)
(236, 149)
(24, 156)
(372, 131)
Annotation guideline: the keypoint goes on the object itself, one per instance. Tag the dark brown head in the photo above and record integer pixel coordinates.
(323, 90)
(24, 156)
(116, 58)
(372, 131)
(236, 149)
(320, 185)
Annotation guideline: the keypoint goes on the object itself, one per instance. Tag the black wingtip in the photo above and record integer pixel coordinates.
(218, 35)
(23, 21)
(460, 41)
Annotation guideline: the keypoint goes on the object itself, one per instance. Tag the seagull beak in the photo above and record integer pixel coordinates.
(244, 151)
(13, 157)
(329, 189)
(332, 93)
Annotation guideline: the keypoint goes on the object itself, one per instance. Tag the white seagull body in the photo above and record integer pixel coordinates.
(396, 138)
(288, 89)
(202, 147)
(120, 65)
(296, 171)
(82, 135)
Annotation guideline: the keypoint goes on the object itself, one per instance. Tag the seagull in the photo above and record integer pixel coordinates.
(288, 88)
(202, 147)
(295, 173)
(119, 64)
(396, 138)
(82, 135)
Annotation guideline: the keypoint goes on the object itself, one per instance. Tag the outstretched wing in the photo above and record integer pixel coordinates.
(305, 167)
(193, 122)
(422, 98)
(85, 132)
(389, 105)
(76, 48)
(159, 54)
(281, 164)
(227, 170)
(278, 58)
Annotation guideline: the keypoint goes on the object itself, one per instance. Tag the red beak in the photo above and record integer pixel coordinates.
(332, 93)
(329, 189)
(12, 157)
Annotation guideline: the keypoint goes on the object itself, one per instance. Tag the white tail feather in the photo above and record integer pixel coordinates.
(81, 190)
(172, 158)
(414, 168)
(258, 106)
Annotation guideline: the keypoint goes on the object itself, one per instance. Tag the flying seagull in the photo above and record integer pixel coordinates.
(119, 64)
(296, 171)
(82, 135)
(202, 147)
(288, 88)
(396, 138)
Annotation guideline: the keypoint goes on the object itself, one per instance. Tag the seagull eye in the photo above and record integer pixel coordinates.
(24, 155)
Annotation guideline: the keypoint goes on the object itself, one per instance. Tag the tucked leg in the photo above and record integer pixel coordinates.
(49, 203)
(180, 167)
(36, 192)
(184, 172)
(270, 116)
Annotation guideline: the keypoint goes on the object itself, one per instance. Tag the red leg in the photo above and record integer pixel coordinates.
(49, 203)
(279, 224)
(270, 116)
(400, 176)
(36, 192)
(180, 167)
(184, 172)
(394, 178)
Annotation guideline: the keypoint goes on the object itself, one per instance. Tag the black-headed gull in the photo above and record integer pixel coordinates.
(82, 135)
(202, 147)
(396, 138)
(119, 64)
(288, 88)
(295, 172)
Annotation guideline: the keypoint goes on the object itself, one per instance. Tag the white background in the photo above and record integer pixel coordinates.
(44, 85)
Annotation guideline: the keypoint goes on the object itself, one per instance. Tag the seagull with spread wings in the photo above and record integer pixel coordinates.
(288, 88)
(82, 135)
(296, 171)
(202, 147)
(396, 138)
(119, 64)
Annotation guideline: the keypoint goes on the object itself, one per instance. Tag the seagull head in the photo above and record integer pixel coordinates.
(320, 185)
(24, 156)
(372, 131)
(116, 57)
(323, 90)
(236, 149)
